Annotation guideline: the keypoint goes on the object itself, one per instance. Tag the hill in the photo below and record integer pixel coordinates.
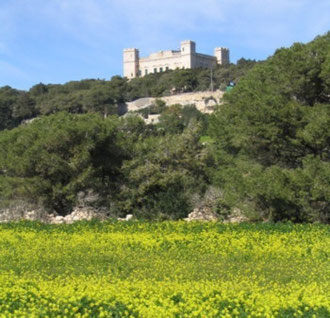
(271, 136)
(108, 97)
(264, 153)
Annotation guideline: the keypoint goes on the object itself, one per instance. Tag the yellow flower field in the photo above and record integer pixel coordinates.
(165, 269)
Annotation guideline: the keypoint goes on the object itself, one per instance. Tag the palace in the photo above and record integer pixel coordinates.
(170, 60)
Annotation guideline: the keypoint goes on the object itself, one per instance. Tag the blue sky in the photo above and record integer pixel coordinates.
(56, 41)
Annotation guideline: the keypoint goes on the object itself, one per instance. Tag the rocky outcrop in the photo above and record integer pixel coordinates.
(85, 213)
(78, 214)
(202, 214)
(206, 214)
(236, 217)
(127, 218)
(204, 101)
(23, 213)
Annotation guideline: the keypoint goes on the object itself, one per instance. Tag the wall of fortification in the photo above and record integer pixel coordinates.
(204, 101)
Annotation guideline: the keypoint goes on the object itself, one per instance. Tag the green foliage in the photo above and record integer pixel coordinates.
(162, 174)
(87, 96)
(157, 108)
(175, 119)
(187, 80)
(55, 157)
(24, 107)
(108, 97)
(8, 97)
(271, 136)
(269, 141)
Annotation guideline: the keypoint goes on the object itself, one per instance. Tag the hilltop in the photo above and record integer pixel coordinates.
(109, 97)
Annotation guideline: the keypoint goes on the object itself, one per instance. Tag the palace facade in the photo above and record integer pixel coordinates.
(186, 57)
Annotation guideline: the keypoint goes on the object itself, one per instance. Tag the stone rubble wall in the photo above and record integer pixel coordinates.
(204, 101)
(78, 214)
(89, 213)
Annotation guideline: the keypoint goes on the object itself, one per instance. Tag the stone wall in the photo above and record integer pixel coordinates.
(204, 101)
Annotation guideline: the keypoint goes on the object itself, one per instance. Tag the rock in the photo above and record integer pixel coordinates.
(236, 217)
(204, 101)
(78, 214)
(31, 216)
(26, 213)
(23, 212)
(126, 218)
(129, 217)
(5, 216)
(202, 214)
(57, 220)
(28, 121)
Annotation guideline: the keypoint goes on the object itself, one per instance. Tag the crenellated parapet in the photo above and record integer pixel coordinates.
(162, 61)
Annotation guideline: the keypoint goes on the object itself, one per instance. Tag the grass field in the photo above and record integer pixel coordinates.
(165, 269)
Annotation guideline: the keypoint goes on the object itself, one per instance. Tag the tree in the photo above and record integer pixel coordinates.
(24, 107)
(271, 130)
(8, 97)
(49, 161)
(162, 174)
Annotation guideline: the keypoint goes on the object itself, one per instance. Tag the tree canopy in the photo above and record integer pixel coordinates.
(272, 135)
(108, 96)
(265, 152)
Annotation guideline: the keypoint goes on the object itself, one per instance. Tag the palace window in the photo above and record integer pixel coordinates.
(161, 69)
(145, 72)
(167, 68)
(155, 70)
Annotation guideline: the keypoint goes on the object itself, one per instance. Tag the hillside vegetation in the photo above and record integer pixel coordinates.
(264, 152)
(272, 137)
(106, 97)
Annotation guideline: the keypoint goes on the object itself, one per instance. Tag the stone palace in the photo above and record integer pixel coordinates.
(162, 61)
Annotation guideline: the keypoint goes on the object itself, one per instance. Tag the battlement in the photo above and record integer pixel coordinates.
(171, 59)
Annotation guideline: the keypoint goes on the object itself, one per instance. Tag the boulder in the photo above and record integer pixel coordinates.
(126, 218)
(78, 214)
(202, 214)
(57, 220)
(236, 217)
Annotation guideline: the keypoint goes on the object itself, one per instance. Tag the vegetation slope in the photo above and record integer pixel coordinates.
(264, 152)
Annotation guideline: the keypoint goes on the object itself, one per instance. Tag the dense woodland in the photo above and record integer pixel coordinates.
(265, 151)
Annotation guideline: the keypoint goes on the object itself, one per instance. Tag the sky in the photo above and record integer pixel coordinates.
(56, 41)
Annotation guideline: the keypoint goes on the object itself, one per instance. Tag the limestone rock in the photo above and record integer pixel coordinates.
(19, 213)
(57, 220)
(127, 218)
(236, 217)
(202, 214)
(204, 101)
(78, 214)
